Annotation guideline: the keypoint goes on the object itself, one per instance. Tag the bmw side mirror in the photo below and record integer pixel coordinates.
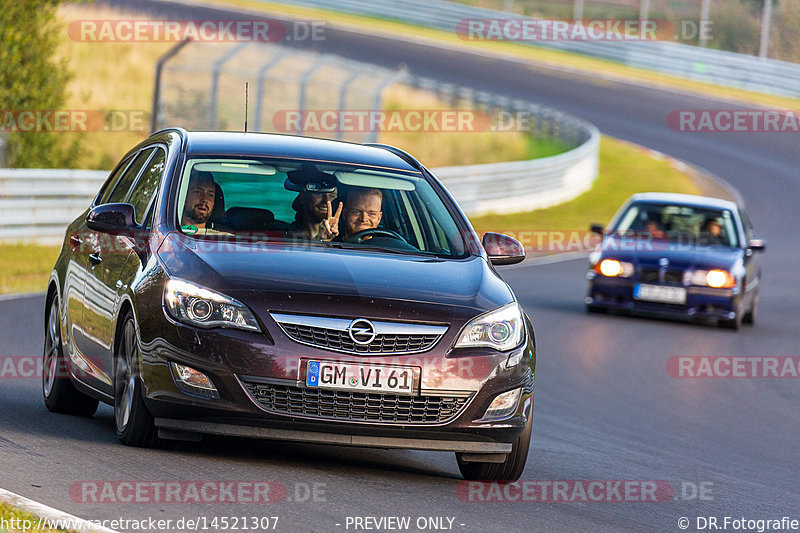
(111, 218)
(502, 249)
(596, 228)
(757, 245)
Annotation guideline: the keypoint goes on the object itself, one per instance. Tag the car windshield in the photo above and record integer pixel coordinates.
(679, 223)
(332, 205)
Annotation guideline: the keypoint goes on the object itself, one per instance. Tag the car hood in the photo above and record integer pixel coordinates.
(678, 255)
(330, 281)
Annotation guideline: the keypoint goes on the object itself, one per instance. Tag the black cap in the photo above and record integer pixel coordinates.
(309, 179)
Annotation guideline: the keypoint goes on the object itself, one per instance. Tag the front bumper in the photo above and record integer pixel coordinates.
(701, 302)
(232, 358)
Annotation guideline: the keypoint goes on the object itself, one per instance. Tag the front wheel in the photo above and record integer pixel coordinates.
(750, 316)
(509, 470)
(134, 423)
(60, 395)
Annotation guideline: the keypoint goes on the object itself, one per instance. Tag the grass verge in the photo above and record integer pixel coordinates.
(26, 267)
(20, 519)
(624, 170)
(537, 56)
(446, 148)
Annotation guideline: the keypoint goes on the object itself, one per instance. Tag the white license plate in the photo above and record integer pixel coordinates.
(360, 377)
(658, 293)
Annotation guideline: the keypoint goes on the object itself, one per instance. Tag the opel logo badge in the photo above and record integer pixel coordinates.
(361, 331)
(664, 262)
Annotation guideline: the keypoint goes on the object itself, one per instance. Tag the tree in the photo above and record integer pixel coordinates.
(32, 80)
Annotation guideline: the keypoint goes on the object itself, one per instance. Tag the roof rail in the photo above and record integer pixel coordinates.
(402, 154)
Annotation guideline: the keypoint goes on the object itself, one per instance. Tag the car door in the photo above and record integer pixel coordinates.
(73, 292)
(105, 258)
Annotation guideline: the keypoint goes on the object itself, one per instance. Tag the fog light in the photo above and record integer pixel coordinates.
(504, 405)
(193, 381)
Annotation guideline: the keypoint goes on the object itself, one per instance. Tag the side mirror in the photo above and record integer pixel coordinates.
(112, 218)
(502, 249)
(596, 228)
(757, 245)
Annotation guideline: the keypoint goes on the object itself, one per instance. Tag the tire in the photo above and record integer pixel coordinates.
(751, 315)
(596, 309)
(509, 470)
(133, 422)
(60, 395)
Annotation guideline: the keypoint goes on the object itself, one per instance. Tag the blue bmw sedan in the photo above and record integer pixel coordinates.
(678, 255)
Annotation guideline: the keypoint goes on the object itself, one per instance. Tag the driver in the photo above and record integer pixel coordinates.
(201, 197)
(653, 227)
(363, 211)
(713, 231)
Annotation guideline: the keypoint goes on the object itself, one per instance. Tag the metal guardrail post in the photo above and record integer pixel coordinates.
(155, 113)
(262, 74)
(354, 75)
(301, 104)
(372, 135)
(212, 104)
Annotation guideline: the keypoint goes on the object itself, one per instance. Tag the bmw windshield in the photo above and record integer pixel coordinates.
(686, 225)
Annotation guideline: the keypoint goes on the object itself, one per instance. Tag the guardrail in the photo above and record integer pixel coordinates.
(36, 205)
(523, 185)
(686, 61)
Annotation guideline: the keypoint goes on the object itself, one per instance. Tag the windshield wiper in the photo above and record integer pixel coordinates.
(353, 246)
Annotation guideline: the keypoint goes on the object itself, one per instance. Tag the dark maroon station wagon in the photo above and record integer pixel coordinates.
(290, 288)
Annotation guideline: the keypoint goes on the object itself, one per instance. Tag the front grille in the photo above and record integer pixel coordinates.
(333, 339)
(356, 406)
(333, 333)
(652, 274)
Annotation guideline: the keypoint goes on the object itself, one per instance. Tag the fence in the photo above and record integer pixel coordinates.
(691, 62)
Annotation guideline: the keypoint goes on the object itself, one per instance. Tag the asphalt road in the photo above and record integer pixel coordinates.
(606, 408)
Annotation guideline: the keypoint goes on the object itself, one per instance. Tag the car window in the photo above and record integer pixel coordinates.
(257, 198)
(122, 187)
(108, 186)
(144, 190)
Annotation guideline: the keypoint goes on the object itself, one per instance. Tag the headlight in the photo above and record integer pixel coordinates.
(718, 279)
(501, 329)
(205, 308)
(612, 268)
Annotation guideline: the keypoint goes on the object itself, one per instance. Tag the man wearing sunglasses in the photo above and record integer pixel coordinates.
(315, 219)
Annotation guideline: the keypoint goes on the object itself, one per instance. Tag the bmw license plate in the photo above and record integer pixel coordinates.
(658, 293)
(359, 377)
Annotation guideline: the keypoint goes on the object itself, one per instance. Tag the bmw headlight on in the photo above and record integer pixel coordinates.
(612, 268)
(201, 307)
(502, 329)
(718, 278)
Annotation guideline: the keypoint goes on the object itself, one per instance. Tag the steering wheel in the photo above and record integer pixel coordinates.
(358, 238)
